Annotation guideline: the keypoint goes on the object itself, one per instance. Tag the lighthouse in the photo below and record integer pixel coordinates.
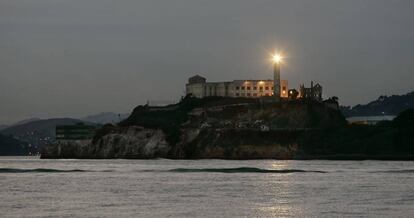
(276, 76)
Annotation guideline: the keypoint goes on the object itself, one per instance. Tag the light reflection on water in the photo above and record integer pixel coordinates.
(279, 165)
(131, 188)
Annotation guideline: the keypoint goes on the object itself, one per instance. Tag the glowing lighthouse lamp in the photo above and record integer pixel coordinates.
(277, 58)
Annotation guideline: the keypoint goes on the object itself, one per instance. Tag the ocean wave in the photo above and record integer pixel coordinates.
(38, 170)
(240, 170)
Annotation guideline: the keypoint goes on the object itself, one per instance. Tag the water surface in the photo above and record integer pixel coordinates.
(207, 188)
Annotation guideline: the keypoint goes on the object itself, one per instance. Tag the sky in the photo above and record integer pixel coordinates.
(72, 58)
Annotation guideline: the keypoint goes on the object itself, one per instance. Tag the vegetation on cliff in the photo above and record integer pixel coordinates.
(171, 117)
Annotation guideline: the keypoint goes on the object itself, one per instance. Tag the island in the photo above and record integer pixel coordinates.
(243, 128)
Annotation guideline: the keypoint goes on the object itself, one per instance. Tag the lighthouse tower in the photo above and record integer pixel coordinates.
(276, 76)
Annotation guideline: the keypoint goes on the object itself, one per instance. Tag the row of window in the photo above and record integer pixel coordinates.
(254, 88)
(249, 94)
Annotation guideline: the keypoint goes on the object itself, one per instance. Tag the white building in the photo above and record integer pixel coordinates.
(198, 87)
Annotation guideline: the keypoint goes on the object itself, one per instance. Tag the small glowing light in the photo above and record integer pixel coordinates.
(284, 92)
(277, 58)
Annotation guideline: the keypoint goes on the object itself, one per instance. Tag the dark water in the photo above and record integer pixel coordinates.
(206, 188)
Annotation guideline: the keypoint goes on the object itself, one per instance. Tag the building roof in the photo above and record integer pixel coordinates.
(196, 79)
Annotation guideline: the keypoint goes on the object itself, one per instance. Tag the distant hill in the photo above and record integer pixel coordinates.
(2, 126)
(38, 132)
(25, 121)
(105, 117)
(12, 146)
(384, 105)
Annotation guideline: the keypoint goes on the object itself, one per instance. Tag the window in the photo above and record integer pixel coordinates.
(254, 94)
(242, 87)
(255, 88)
(248, 94)
(237, 94)
(284, 88)
(248, 87)
(261, 88)
(272, 88)
(267, 88)
(237, 88)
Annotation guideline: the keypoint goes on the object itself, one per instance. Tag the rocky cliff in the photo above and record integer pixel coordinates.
(227, 128)
(243, 129)
(126, 142)
(143, 143)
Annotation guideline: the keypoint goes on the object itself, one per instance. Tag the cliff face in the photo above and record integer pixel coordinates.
(142, 143)
(207, 128)
(129, 142)
(132, 142)
(241, 144)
